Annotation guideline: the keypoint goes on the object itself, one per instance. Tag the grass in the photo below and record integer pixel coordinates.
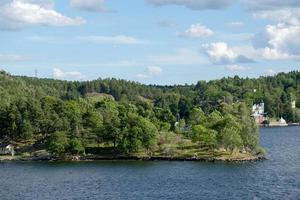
(176, 146)
(168, 145)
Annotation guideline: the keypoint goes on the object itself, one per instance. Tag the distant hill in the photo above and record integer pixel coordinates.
(276, 91)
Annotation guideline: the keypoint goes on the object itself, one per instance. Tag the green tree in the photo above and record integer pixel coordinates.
(205, 137)
(231, 138)
(76, 147)
(196, 116)
(58, 143)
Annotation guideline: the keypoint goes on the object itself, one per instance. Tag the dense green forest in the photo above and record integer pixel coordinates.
(128, 117)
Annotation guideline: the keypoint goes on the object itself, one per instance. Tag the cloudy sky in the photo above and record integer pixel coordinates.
(150, 41)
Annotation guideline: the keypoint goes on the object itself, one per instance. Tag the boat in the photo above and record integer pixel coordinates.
(294, 124)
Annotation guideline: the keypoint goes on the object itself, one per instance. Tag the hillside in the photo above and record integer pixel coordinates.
(131, 118)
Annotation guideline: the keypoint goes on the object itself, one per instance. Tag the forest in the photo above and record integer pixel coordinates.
(125, 117)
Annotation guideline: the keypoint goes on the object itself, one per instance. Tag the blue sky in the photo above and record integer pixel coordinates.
(150, 41)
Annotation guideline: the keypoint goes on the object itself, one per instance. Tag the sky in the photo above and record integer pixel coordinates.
(150, 41)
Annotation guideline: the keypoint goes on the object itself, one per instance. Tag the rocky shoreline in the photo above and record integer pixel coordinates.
(91, 158)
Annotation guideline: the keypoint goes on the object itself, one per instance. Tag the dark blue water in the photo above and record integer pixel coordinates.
(276, 178)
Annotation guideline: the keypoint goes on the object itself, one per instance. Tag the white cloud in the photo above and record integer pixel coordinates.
(236, 37)
(287, 11)
(282, 40)
(19, 14)
(285, 15)
(61, 74)
(196, 31)
(273, 54)
(89, 5)
(270, 72)
(182, 56)
(14, 57)
(142, 76)
(193, 4)
(119, 39)
(97, 39)
(154, 70)
(221, 53)
(48, 4)
(151, 71)
(279, 41)
(270, 4)
(236, 68)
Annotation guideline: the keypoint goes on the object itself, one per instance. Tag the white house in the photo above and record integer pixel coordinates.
(6, 149)
(258, 112)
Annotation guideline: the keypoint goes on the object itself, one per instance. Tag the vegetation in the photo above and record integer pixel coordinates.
(131, 118)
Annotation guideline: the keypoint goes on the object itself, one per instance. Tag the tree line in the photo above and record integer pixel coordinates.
(68, 116)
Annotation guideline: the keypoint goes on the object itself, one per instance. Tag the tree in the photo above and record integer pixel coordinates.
(111, 121)
(205, 137)
(58, 143)
(149, 134)
(231, 138)
(138, 133)
(92, 122)
(26, 129)
(196, 116)
(76, 147)
(249, 131)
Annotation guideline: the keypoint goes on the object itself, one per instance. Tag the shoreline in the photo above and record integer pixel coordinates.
(92, 158)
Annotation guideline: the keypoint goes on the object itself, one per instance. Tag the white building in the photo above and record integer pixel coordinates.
(258, 112)
(6, 149)
(258, 109)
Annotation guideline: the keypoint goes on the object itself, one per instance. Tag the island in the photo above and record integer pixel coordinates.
(107, 119)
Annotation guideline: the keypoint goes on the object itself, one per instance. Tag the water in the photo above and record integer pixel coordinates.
(276, 178)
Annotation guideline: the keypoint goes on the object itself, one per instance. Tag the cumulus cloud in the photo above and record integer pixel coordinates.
(119, 39)
(43, 3)
(289, 16)
(151, 71)
(196, 31)
(287, 11)
(193, 4)
(282, 39)
(61, 74)
(236, 68)
(89, 5)
(221, 53)
(19, 14)
(14, 57)
(279, 41)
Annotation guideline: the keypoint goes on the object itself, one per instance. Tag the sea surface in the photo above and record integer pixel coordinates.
(278, 177)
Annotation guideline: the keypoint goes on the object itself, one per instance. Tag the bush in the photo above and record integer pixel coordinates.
(260, 151)
(76, 147)
(57, 143)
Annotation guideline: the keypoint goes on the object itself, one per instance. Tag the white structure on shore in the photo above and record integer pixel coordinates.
(258, 112)
(280, 122)
(6, 149)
